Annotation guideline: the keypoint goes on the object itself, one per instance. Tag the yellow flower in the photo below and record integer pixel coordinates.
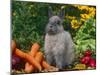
(82, 19)
(88, 12)
(75, 24)
(83, 7)
(92, 14)
(85, 16)
(71, 17)
(80, 66)
(92, 9)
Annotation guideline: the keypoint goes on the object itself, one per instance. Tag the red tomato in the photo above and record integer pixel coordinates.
(88, 53)
(85, 60)
(92, 63)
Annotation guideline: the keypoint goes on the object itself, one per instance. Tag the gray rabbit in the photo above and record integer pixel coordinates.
(59, 47)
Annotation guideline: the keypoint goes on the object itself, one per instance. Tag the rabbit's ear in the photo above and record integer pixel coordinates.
(50, 12)
(62, 13)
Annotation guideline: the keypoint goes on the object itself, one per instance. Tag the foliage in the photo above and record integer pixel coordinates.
(28, 23)
(85, 36)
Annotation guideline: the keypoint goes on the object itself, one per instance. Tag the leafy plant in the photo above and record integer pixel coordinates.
(85, 36)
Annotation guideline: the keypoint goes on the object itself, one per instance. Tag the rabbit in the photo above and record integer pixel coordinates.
(58, 46)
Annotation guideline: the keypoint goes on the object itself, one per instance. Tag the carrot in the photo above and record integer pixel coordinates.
(34, 49)
(45, 64)
(29, 68)
(39, 57)
(13, 45)
(28, 58)
(19, 53)
(48, 68)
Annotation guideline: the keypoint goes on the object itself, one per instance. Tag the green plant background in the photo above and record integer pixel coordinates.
(30, 18)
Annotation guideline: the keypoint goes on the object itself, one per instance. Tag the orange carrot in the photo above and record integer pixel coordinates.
(13, 45)
(34, 49)
(48, 68)
(39, 57)
(45, 64)
(28, 58)
(19, 53)
(29, 68)
(32, 61)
